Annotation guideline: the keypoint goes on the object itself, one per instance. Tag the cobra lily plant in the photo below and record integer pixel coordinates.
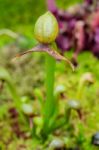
(46, 30)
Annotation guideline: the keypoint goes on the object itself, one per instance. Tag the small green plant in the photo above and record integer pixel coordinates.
(5, 76)
(17, 99)
(46, 31)
(86, 78)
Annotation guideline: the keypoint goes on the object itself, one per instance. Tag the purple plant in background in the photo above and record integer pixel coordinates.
(89, 2)
(79, 27)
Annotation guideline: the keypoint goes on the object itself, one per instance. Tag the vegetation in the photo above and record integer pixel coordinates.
(46, 107)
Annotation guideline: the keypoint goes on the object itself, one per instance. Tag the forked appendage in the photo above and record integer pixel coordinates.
(49, 50)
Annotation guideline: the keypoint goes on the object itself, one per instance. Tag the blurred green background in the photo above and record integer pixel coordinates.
(28, 72)
(18, 14)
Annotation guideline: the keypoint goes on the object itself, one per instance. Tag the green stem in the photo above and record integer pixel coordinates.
(50, 103)
(16, 98)
(50, 70)
(80, 90)
(4, 75)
